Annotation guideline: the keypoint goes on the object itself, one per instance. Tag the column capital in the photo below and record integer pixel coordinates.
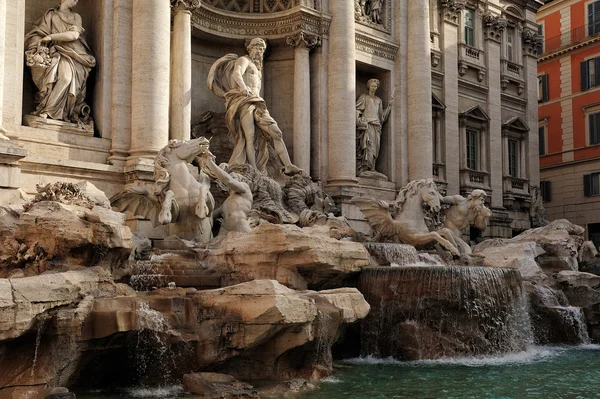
(452, 9)
(303, 40)
(493, 26)
(184, 5)
(532, 42)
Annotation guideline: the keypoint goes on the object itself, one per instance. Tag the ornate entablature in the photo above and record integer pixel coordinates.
(532, 42)
(452, 9)
(376, 47)
(493, 26)
(274, 26)
(259, 6)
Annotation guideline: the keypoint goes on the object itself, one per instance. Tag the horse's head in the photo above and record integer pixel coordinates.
(189, 149)
(431, 195)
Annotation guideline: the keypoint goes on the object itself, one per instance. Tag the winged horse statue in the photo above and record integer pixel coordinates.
(408, 226)
(178, 199)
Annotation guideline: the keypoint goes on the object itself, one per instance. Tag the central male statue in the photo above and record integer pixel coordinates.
(238, 80)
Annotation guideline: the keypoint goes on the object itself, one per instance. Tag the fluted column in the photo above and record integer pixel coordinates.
(302, 44)
(420, 159)
(180, 111)
(342, 91)
(150, 83)
(2, 47)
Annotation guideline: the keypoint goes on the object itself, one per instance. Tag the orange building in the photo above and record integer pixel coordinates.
(569, 112)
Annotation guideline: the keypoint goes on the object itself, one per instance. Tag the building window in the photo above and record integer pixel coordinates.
(594, 18)
(543, 90)
(472, 149)
(591, 184)
(594, 128)
(541, 33)
(510, 48)
(546, 190)
(542, 139)
(590, 73)
(469, 38)
(513, 158)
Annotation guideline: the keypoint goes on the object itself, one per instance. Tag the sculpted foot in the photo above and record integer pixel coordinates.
(291, 169)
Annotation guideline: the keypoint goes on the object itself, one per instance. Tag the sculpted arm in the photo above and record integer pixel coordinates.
(241, 64)
(230, 182)
(453, 199)
(69, 36)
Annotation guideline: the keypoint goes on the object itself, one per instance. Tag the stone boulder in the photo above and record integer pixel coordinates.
(514, 255)
(218, 386)
(50, 234)
(570, 278)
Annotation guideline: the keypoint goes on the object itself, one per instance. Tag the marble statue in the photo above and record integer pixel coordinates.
(179, 199)
(60, 62)
(464, 212)
(408, 226)
(375, 11)
(537, 212)
(238, 204)
(370, 116)
(238, 80)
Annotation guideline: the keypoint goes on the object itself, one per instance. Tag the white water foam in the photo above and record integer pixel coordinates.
(156, 392)
(331, 380)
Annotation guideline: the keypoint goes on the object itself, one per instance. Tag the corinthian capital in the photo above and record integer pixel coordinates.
(303, 39)
(185, 5)
(494, 25)
(452, 9)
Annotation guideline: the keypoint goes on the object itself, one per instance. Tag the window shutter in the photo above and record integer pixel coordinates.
(591, 19)
(596, 71)
(542, 140)
(545, 188)
(545, 88)
(584, 75)
(594, 128)
(587, 185)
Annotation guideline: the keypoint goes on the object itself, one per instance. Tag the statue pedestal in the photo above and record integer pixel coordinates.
(366, 187)
(10, 171)
(59, 126)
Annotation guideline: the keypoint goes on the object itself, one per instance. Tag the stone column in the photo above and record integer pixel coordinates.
(342, 92)
(121, 82)
(401, 112)
(302, 44)
(180, 110)
(493, 52)
(2, 46)
(150, 83)
(454, 136)
(420, 160)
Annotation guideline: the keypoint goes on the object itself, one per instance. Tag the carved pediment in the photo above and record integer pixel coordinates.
(515, 124)
(476, 113)
(436, 102)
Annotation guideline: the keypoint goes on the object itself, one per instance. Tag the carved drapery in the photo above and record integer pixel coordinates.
(304, 39)
(452, 9)
(493, 26)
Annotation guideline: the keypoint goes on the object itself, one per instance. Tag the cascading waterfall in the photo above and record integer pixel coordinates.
(399, 254)
(433, 312)
(145, 275)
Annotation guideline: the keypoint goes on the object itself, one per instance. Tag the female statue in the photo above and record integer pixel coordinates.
(60, 62)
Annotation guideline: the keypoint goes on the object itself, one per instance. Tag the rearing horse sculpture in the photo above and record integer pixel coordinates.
(408, 226)
(179, 199)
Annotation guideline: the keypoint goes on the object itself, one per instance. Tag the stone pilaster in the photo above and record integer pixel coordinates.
(302, 44)
(532, 45)
(453, 139)
(401, 112)
(10, 170)
(150, 83)
(2, 47)
(493, 34)
(342, 92)
(121, 81)
(180, 111)
(420, 160)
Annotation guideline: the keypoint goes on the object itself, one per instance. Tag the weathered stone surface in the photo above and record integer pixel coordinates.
(287, 388)
(96, 196)
(218, 386)
(577, 279)
(520, 256)
(582, 296)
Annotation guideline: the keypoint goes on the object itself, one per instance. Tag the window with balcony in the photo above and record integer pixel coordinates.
(591, 184)
(543, 90)
(510, 46)
(469, 27)
(593, 18)
(590, 73)
(594, 128)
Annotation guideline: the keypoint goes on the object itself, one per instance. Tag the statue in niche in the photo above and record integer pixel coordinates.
(464, 212)
(60, 62)
(238, 80)
(180, 199)
(370, 116)
(375, 11)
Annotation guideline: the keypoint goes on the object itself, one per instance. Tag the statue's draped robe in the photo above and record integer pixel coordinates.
(370, 111)
(237, 104)
(70, 66)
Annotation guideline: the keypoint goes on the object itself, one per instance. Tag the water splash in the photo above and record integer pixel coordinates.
(399, 255)
(41, 324)
(436, 312)
(147, 274)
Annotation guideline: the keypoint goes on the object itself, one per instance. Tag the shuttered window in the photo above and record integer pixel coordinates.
(542, 139)
(594, 127)
(590, 73)
(594, 18)
(591, 184)
(543, 90)
(546, 190)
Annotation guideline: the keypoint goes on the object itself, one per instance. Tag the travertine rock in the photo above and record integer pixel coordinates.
(577, 279)
(513, 255)
(218, 386)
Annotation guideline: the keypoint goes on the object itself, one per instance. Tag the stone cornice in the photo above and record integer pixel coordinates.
(376, 47)
(452, 8)
(565, 49)
(493, 26)
(268, 26)
(305, 40)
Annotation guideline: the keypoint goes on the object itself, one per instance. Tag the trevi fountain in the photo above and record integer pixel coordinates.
(260, 282)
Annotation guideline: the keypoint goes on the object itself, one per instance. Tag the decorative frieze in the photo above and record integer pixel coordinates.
(376, 47)
(259, 6)
(452, 9)
(303, 39)
(493, 26)
(241, 26)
